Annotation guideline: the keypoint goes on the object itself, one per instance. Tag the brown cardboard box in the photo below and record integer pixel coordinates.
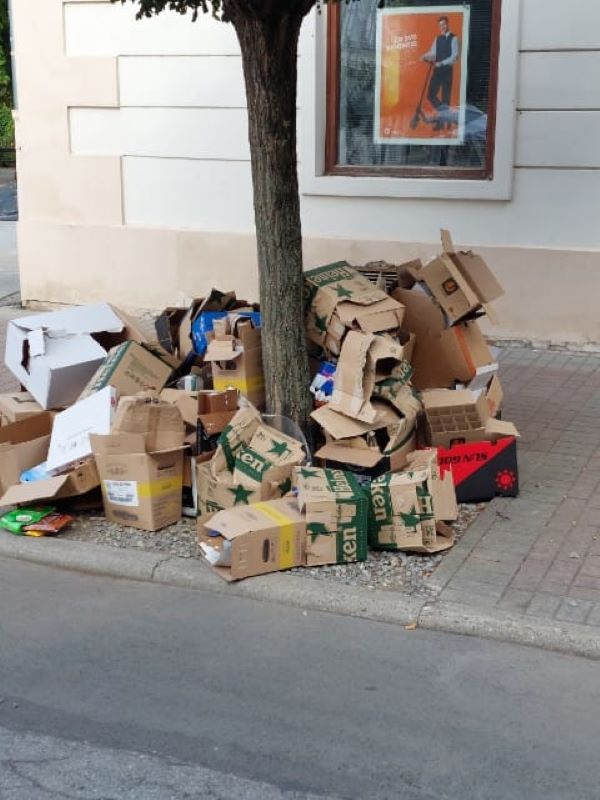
(340, 299)
(255, 539)
(336, 508)
(130, 368)
(409, 508)
(160, 423)
(460, 281)
(16, 406)
(460, 416)
(78, 482)
(235, 353)
(23, 445)
(206, 413)
(220, 491)
(141, 489)
(442, 356)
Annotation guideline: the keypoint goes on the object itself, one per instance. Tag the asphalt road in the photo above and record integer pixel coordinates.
(112, 690)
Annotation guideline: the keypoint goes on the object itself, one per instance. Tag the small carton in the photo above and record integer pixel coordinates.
(367, 360)
(461, 281)
(340, 299)
(235, 354)
(442, 356)
(336, 508)
(482, 470)
(70, 442)
(54, 355)
(217, 491)
(16, 406)
(410, 507)
(461, 416)
(268, 448)
(130, 368)
(23, 445)
(254, 540)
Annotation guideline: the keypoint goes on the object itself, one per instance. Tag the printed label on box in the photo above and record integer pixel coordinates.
(122, 493)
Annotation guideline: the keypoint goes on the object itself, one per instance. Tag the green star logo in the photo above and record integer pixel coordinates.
(286, 486)
(241, 495)
(341, 292)
(309, 473)
(321, 323)
(278, 448)
(316, 529)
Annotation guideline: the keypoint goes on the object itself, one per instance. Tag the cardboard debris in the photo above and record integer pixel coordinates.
(23, 445)
(81, 480)
(482, 470)
(336, 509)
(460, 280)
(254, 539)
(15, 406)
(410, 507)
(340, 299)
(130, 368)
(235, 354)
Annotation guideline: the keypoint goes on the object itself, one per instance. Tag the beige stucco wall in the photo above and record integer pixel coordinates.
(91, 219)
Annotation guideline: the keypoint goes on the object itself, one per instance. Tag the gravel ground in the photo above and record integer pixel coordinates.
(400, 572)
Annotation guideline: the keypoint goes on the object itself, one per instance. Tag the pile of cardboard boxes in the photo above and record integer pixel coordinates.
(406, 417)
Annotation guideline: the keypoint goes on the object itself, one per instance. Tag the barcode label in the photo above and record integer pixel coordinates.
(122, 493)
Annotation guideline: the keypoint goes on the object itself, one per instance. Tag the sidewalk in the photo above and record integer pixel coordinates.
(531, 564)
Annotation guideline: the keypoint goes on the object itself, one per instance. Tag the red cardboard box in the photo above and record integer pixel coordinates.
(482, 470)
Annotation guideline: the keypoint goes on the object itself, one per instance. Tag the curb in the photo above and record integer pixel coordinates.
(306, 593)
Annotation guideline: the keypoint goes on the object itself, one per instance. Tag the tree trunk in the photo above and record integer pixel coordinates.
(269, 55)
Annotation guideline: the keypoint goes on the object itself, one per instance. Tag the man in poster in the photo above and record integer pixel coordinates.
(443, 54)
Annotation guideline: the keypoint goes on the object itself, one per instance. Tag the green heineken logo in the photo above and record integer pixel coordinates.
(285, 486)
(412, 519)
(252, 464)
(315, 530)
(241, 495)
(309, 473)
(342, 292)
(278, 448)
(321, 324)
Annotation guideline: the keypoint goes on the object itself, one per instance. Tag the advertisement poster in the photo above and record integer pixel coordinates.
(421, 75)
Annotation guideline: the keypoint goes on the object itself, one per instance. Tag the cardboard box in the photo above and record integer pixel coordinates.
(341, 299)
(167, 328)
(215, 411)
(366, 360)
(160, 423)
(254, 540)
(218, 491)
(410, 507)
(23, 445)
(266, 450)
(482, 470)
(460, 280)
(336, 509)
(15, 406)
(129, 368)
(461, 416)
(442, 356)
(141, 489)
(83, 478)
(235, 353)
(70, 442)
(54, 355)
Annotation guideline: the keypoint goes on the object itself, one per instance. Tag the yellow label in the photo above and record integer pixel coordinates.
(286, 534)
(160, 488)
(251, 384)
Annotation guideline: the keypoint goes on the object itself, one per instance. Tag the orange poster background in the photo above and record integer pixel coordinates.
(404, 39)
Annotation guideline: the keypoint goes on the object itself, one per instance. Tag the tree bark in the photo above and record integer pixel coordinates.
(269, 55)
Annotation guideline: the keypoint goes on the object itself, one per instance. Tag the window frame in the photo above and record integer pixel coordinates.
(357, 181)
(333, 87)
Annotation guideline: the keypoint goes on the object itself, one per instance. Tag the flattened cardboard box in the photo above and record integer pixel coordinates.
(129, 368)
(254, 540)
(340, 299)
(15, 406)
(79, 481)
(139, 488)
(409, 507)
(336, 508)
(23, 445)
(460, 281)
(236, 360)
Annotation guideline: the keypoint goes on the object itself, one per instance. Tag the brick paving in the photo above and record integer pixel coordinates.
(539, 554)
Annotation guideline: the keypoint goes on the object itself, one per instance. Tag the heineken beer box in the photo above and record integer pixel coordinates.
(338, 298)
(337, 513)
(409, 508)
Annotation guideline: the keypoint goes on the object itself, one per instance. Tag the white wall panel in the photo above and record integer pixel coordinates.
(560, 80)
(558, 139)
(106, 29)
(202, 195)
(560, 25)
(201, 81)
(160, 132)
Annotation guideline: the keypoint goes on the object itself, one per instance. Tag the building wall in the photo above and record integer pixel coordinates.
(134, 174)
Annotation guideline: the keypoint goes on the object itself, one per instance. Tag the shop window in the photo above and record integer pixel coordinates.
(411, 88)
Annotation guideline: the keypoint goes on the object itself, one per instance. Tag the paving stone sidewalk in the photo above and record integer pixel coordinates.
(539, 554)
